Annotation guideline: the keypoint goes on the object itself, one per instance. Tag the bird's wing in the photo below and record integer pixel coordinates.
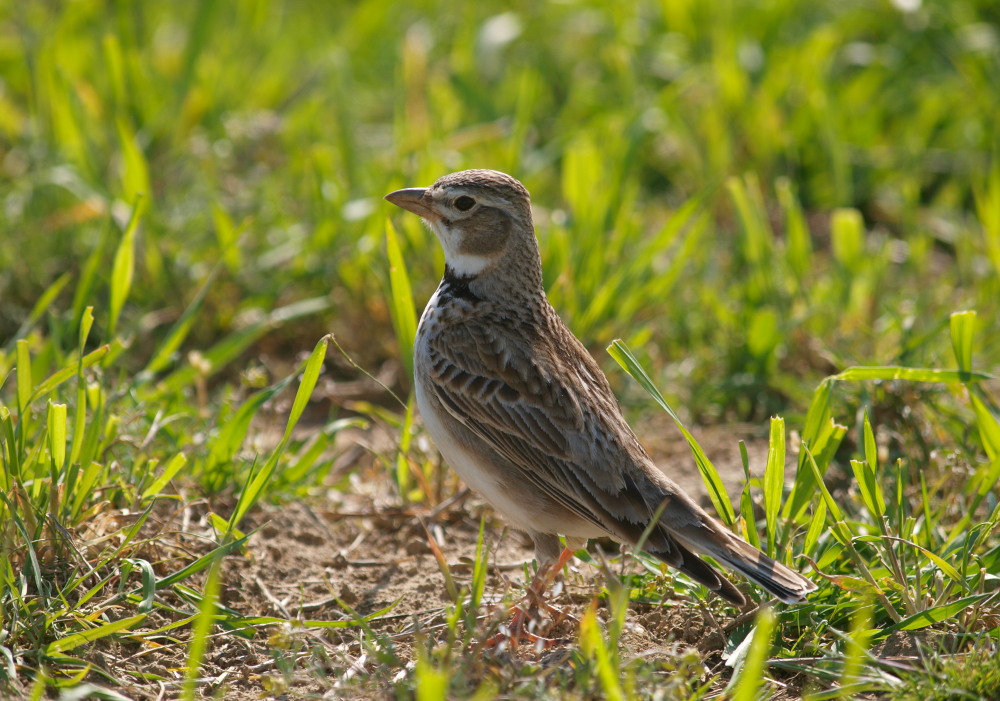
(547, 408)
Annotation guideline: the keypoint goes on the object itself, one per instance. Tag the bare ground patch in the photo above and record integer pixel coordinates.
(359, 553)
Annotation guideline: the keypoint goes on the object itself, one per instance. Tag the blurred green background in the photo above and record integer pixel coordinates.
(752, 194)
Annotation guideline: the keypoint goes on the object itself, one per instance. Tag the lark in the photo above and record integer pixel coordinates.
(522, 412)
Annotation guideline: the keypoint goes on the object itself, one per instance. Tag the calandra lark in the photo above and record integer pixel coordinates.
(519, 408)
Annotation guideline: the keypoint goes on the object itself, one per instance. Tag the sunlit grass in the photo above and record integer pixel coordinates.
(785, 210)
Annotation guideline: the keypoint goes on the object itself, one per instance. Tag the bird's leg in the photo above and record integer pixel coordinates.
(542, 581)
(534, 597)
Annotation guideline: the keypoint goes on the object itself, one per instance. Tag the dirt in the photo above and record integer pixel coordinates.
(360, 549)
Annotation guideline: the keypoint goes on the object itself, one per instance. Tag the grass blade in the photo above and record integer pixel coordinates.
(179, 331)
(77, 639)
(593, 645)
(963, 329)
(989, 427)
(431, 681)
(716, 490)
(935, 614)
(866, 474)
(847, 238)
(24, 381)
(175, 465)
(122, 270)
(819, 452)
(751, 673)
(890, 372)
(774, 479)
(254, 490)
(746, 501)
(135, 170)
(57, 378)
(202, 562)
(404, 317)
(202, 628)
(871, 490)
(148, 583)
(56, 422)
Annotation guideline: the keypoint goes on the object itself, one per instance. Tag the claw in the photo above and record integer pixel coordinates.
(516, 630)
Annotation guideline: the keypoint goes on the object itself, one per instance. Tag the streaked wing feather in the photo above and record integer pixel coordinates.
(516, 450)
(524, 411)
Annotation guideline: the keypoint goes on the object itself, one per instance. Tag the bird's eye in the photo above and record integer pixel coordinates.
(464, 203)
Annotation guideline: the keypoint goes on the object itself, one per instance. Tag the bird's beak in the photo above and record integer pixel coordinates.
(412, 200)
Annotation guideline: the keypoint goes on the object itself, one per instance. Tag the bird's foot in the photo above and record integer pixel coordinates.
(522, 627)
(532, 618)
(533, 613)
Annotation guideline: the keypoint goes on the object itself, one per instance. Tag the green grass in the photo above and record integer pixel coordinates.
(782, 209)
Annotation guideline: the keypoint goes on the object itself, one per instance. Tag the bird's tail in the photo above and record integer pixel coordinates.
(780, 581)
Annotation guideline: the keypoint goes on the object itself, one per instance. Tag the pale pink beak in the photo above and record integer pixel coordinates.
(412, 200)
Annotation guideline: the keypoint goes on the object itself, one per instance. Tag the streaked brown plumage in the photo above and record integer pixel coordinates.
(523, 413)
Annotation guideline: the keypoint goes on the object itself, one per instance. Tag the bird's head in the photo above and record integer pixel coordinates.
(482, 219)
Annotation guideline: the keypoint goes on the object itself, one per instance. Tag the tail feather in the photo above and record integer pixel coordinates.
(700, 571)
(717, 583)
(780, 581)
(741, 557)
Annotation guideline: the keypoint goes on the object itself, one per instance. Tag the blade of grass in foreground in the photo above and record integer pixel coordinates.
(202, 628)
(774, 477)
(202, 562)
(432, 680)
(77, 639)
(479, 568)
(963, 329)
(172, 468)
(122, 269)
(716, 490)
(57, 378)
(23, 378)
(404, 318)
(255, 489)
(594, 646)
(746, 502)
(866, 474)
(857, 643)
(80, 418)
(750, 674)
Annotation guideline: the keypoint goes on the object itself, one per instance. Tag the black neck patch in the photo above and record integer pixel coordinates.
(456, 286)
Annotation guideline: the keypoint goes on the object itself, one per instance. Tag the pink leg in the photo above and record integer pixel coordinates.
(533, 598)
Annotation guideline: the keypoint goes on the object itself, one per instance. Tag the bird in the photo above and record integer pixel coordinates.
(518, 407)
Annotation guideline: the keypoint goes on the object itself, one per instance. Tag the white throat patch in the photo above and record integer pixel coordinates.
(464, 264)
